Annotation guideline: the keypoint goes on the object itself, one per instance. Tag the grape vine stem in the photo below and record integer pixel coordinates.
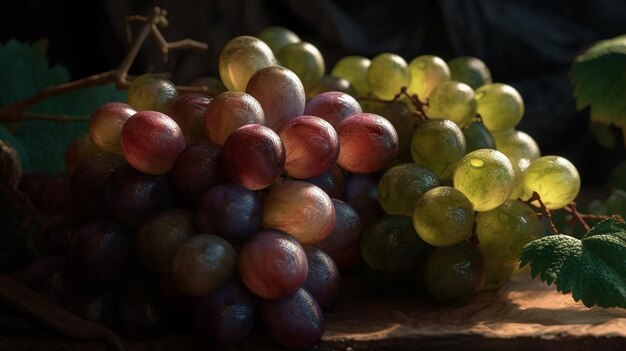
(155, 20)
(413, 98)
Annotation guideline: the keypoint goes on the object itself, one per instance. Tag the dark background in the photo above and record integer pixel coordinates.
(528, 44)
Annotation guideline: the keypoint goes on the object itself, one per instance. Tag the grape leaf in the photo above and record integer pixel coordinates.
(599, 78)
(593, 268)
(24, 70)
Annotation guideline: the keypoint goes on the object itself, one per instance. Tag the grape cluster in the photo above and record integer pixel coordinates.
(221, 211)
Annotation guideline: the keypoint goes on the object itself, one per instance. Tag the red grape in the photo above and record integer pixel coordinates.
(151, 141)
(229, 111)
(105, 125)
(188, 112)
(311, 146)
(333, 106)
(196, 169)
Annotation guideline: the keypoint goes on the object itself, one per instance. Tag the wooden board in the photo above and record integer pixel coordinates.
(523, 314)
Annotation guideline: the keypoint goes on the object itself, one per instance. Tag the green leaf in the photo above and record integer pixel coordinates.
(593, 269)
(24, 70)
(599, 78)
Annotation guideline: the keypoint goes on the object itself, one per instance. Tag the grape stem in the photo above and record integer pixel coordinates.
(580, 218)
(413, 98)
(151, 24)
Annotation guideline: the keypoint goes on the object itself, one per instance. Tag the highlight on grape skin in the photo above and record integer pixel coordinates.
(486, 177)
(229, 111)
(301, 209)
(151, 142)
(311, 146)
(554, 178)
(367, 143)
(253, 156)
(240, 58)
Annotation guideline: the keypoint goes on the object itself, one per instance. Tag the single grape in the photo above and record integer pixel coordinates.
(295, 322)
(367, 143)
(503, 231)
(354, 69)
(332, 106)
(202, 264)
(276, 37)
(477, 136)
(230, 211)
(151, 92)
(330, 83)
(470, 70)
(188, 112)
(301, 209)
(305, 60)
(159, 237)
(554, 178)
(452, 100)
(133, 197)
(224, 319)
(454, 275)
(323, 278)
(405, 122)
(500, 106)
(387, 74)
(443, 216)
(101, 251)
(196, 169)
(391, 245)
(486, 177)
(253, 156)
(516, 145)
(240, 58)
(444, 136)
(311, 146)
(229, 111)
(151, 142)
(346, 230)
(272, 264)
(401, 185)
(426, 72)
(280, 93)
(105, 125)
(361, 193)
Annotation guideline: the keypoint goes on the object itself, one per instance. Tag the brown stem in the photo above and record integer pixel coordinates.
(419, 106)
(38, 307)
(543, 210)
(582, 218)
(152, 22)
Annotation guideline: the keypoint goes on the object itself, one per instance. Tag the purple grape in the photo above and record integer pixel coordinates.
(295, 322)
(54, 233)
(196, 169)
(323, 278)
(94, 303)
(223, 319)
(141, 307)
(230, 211)
(48, 275)
(188, 112)
(89, 179)
(346, 230)
(331, 181)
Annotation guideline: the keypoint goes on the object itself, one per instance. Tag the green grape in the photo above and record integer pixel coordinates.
(500, 106)
(354, 70)
(240, 58)
(497, 272)
(387, 74)
(276, 37)
(518, 168)
(503, 231)
(452, 100)
(443, 216)
(477, 136)
(305, 60)
(401, 185)
(454, 275)
(151, 92)
(438, 144)
(470, 70)
(486, 177)
(554, 178)
(516, 145)
(390, 244)
(427, 71)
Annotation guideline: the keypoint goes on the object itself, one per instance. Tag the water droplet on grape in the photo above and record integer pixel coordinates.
(477, 163)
